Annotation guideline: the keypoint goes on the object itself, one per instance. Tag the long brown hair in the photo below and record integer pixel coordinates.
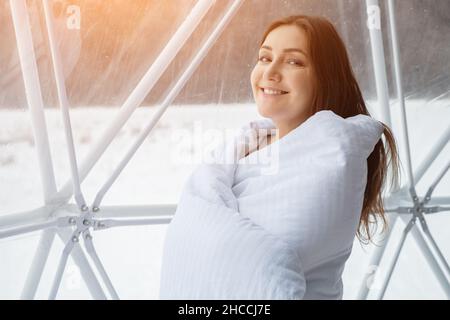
(336, 89)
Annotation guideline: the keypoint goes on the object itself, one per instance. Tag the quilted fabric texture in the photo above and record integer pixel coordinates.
(277, 224)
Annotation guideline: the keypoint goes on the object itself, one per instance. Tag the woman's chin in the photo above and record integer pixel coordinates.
(265, 112)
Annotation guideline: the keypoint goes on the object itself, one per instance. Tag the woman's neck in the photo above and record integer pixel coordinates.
(284, 127)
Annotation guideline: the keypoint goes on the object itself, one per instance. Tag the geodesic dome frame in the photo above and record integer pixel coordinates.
(75, 222)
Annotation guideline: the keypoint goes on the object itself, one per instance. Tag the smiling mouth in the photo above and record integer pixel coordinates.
(272, 93)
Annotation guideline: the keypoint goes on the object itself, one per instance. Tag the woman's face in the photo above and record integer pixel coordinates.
(284, 65)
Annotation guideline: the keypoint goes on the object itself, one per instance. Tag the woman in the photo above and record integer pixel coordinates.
(238, 233)
(305, 61)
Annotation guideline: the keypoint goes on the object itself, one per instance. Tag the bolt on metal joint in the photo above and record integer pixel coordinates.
(100, 225)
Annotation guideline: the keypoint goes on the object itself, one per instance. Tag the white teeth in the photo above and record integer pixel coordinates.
(272, 92)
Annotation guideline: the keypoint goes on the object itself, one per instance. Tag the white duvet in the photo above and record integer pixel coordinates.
(277, 224)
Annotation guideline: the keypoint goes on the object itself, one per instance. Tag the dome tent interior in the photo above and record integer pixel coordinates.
(177, 68)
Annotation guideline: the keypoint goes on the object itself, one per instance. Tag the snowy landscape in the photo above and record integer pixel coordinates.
(132, 255)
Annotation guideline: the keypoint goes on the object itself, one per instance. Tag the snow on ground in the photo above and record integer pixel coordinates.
(155, 175)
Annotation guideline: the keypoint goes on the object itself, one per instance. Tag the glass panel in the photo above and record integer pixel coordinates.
(108, 46)
(20, 181)
(16, 256)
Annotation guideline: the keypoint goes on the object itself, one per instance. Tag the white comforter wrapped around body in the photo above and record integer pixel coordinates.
(277, 224)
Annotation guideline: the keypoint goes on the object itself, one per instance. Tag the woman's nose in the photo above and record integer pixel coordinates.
(272, 73)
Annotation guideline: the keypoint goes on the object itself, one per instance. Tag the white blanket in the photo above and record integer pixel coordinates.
(279, 223)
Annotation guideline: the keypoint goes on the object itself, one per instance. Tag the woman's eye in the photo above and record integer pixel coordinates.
(295, 62)
(291, 62)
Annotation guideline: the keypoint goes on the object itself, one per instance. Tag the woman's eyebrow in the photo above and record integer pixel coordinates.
(286, 50)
